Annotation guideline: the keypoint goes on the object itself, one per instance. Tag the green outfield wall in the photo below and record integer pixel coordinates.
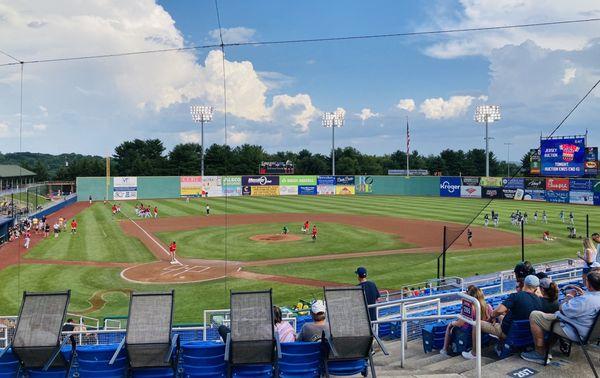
(93, 186)
(398, 185)
(158, 187)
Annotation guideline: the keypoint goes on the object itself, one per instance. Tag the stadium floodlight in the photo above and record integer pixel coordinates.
(202, 114)
(487, 114)
(333, 120)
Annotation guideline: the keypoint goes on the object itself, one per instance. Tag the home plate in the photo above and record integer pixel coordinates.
(171, 272)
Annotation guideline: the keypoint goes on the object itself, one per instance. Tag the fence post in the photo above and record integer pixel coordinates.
(438, 268)
(444, 255)
(522, 240)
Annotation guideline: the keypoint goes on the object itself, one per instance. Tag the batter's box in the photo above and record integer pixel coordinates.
(177, 270)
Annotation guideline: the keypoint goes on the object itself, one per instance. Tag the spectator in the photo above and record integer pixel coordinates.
(522, 270)
(575, 318)
(588, 257)
(314, 331)
(370, 289)
(596, 239)
(549, 295)
(69, 327)
(486, 313)
(284, 329)
(518, 306)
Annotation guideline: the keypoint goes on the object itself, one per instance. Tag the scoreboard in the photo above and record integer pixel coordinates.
(276, 168)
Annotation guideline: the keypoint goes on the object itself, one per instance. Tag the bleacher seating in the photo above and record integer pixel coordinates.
(518, 338)
(92, 361)
(300, 359)
(203, 359)
(9, 365)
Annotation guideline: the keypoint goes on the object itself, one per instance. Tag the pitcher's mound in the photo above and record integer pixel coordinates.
(275, 238)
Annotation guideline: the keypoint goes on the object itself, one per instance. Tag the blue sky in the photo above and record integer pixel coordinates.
(277, 93)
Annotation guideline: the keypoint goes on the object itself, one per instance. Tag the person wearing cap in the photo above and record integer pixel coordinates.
(548, 293)
(370, 289)
(522, 270)
(576, 315)
(313, 331)
(518, 306)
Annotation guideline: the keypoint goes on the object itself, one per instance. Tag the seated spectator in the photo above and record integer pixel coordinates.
(588, 257)
(575, 318)
(549, 295)
(518, 306)
(486, 313)
(284, 329)
(522, 270)
(313, 331)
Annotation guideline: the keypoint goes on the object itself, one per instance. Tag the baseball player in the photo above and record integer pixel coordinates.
(172, 251)
(73, 226)
(207, 210)
(562, 216)
(27, 239)
(486, 220)
(314, 233)
(284, 230)
(495, 219)
(544, 217)
(525, 217)
(571, 218)
(155, 211)
(305, 227)
(535, 216)
(470, 237)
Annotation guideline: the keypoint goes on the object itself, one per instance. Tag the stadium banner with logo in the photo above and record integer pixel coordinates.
(535, 183)
(513, 183)
(595, 186)
(557, 184)
(124, 188)
(232, 191)
(470, 191)
(509, 193)
(267, 190)
(297, 180)
(231, 181)
(491, 181)
(210, 186)
(288, 190)
(470, 181)
(581, 197)
(325, 180)
(491, 192)
(580, 185)
(246, 190)
(345, 190)
(307, 190)
(596, 199)
(260, 180)
(344, 180)
(325, 190)
(591, 161)
(563, 156)
(450, 186)
(364, 184)
(519, 194)
(535, 161)
(534, 195)
(557, 196)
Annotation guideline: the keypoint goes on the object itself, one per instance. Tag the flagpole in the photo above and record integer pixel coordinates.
(407, 149)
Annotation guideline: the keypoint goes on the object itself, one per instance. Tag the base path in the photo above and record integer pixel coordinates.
(427, 235)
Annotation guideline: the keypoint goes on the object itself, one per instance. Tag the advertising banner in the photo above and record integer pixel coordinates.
(519, 194)
(470, 191)
(487, 192)
(364, 184)
(563, 156)
(509, 193)
(345, 190)
(450, 186)
(197, 185)
(246, 190)
(325, 180)
(535, 183)
(513, 183)
(124, 188)
(232, 180)
(288, 190)
(325, 190)
(470, 181)
(557, 184)
(535, 162)
(596, 186)
(232, 191)
(591, 161)
(344, 180)
(580, 185)
(557, 196)
(491, 181)
(260, 180)
(267, 190)
(297, 180)
(534, 195)
(581, 197)
(307, 190)
(596, 199)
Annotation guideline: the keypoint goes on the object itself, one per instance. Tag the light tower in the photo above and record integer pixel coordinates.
(201, 114)
(333, 120)
(487, 114)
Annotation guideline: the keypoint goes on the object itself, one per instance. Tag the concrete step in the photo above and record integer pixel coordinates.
(455, 365)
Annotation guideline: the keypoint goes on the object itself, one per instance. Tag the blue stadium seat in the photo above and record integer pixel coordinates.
(203, 359)
(92, 361)
(254, 371)
(345, 368)
(519, 337)
(51, 373)
(433, 336)
(154, 373)
(9, 365)
(300, 360)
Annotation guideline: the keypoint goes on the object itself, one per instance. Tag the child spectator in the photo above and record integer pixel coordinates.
(285, 331)
(314, 330)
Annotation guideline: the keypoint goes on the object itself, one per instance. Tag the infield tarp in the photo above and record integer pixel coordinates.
(557, 196)
(450, 186)
(581, 197)
(535, 195)
(563, 157)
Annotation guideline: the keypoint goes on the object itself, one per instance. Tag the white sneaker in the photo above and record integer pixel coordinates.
(468, 356)
(443, 352)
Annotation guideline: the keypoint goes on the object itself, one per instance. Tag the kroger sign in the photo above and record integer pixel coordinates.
(449, 186)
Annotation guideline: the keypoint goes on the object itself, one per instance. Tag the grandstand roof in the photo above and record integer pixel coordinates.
(11, 170)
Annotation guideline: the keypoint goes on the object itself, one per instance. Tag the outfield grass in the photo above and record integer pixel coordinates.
(99, 238)
(334, 238)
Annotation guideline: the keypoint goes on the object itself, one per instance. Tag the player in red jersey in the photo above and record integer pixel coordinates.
(73, 226)
(314, 233)
(172, 250)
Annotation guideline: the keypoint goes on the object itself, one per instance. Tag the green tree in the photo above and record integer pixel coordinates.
(184, 159)
(140, 158)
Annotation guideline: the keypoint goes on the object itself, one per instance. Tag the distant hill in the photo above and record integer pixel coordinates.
(46, 166)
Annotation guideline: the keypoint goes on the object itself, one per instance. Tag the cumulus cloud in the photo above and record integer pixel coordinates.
(40, 127)
(237, 34)
(298, 110)
(407, 104)
(237, 137)
(189, 137)
(568, 75)
(365, 114)
(438, 108)
(4, 130)
(44, 110)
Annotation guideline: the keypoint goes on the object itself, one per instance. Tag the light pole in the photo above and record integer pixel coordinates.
(333, 120)
(487, 114)
(508, 144)
(201, 114)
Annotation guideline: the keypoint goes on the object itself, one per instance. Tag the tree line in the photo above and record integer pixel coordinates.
(150, 158)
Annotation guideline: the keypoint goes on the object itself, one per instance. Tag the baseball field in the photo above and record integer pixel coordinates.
(240, 246)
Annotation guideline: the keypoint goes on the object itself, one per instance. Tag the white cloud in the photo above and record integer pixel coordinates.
(407, 104)
(568, 75)
(365, 114)
(40, 127)
(44, 110)
(297, 109)
(4, 130)
(438, 108)
(237, 34)
(237, 137)
(311, 61)
(189, 137)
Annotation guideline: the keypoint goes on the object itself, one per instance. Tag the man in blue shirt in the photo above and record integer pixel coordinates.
(370, 289)
(576, 315)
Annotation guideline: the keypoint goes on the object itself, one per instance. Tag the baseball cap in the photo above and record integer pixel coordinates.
(545, 282)
(318, 307)
(361, 271)
(532, 281)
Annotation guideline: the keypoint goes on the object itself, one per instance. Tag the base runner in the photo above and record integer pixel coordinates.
(172, 251)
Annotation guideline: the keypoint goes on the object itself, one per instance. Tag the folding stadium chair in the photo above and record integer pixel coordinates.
(351, 336)
(36, 343)
(252, 347)
(593, 336)
(148, 339)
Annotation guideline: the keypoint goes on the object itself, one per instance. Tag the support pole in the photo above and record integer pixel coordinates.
(444, 255)
(487, 150)
(333, 149)
(522, 241)
(202, 149)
